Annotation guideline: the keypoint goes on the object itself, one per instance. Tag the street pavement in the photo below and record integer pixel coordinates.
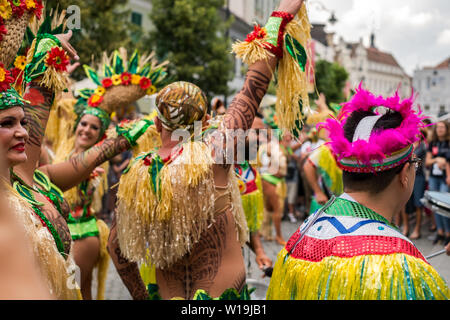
(115, 290)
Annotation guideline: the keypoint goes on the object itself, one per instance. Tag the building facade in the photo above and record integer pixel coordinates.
(432, 84)
(378, 71)
(140, 11)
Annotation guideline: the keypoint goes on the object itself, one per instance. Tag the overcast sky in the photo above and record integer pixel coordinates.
(416, 32)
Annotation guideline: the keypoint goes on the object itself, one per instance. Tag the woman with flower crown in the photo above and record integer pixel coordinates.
(36, 193)
(88, 121)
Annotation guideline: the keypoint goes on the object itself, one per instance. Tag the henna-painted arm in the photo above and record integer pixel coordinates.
(242, 111)
(128, 271)
(36, 113)
(69, 174)
(37, 110)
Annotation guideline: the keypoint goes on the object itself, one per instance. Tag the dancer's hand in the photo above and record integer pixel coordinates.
(64, 39)
(290, 6)
(263, 262)
(72, 67)
(321, 198)
(448, 249)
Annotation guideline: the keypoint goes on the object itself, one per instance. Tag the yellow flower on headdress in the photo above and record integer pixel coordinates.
(30, 4)
(21, 62)
(116, 79)
(135, 79)
(2, 74)
(151, 91)
(100, 91)
(5, 9)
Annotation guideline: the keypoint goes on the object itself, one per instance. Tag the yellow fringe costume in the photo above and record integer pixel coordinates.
(252, 196)
(58, 272)
(349, 252)
(163, 208)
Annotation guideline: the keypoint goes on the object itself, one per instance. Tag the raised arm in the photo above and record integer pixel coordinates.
(68, 174)
(242, 111)
(41, 96)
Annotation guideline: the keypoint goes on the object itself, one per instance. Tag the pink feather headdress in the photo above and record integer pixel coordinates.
(385, 149)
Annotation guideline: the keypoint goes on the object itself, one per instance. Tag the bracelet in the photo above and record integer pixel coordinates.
(135, 132)
(275, 27)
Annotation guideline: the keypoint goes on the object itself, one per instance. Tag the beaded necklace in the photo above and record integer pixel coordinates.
(26, 192)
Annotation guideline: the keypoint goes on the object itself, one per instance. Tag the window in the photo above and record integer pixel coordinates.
(136, 18)
(427, 107)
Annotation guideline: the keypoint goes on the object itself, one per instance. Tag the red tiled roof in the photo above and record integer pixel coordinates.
(444, 65)
(376, 55)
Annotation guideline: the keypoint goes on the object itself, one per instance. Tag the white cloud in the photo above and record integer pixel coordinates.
(444, 37)
(414, 31)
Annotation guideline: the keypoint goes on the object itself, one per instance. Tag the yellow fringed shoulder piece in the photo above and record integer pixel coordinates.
(136, 203)
(170, 222)
(238, 210)
(54, 80)
(251, 52)
(59, 273)
(60, 125)
(368, 277)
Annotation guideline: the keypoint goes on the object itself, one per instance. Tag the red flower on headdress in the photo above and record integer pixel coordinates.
(258, 33)
(18, 7)
(107, 82)
(17, 75)
(58, 59)
(5, 78)
(95, 100)
(35, 6)
(145, 83)
(126, 78)
(3, 30)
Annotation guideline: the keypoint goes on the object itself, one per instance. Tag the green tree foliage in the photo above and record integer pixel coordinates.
(192, 35)
(330, 80)
(105, 26)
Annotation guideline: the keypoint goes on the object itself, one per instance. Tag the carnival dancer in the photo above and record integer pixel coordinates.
(320, 169)
(89, 233)
(273, 170)
(250, 187)
(36, 200)
(179, 206)
(350, 249)
(20, 276)
(41, 233)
